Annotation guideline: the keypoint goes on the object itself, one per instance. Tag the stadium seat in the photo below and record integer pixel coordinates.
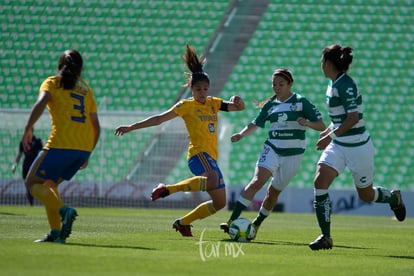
(302, 30)
(133, 49)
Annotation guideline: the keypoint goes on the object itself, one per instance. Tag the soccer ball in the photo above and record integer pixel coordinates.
(241, 230)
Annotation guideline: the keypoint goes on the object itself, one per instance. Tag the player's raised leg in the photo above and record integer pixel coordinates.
(205, 209)
(193, 184)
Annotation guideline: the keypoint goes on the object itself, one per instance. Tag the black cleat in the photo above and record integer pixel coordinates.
(399, 210)
(321, 242)
(50, 237)
(225, 227)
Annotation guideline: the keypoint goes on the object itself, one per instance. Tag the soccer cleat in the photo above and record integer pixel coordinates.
(321, 242)
(185, 230)
(225, 226)
(50, 237)
(256, 229)
(60, 240)
(68, 215)
(399, 210)
(159, 191)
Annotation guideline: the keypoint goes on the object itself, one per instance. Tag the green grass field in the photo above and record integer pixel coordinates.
(141, 242)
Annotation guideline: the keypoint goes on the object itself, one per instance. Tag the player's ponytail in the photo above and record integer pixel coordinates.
(195, 65)
(70, 68)
(346, 57)
(340, 56)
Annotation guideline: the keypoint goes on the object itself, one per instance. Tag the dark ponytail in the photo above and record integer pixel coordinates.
(70, 68)
(340, 56)
(195, 65)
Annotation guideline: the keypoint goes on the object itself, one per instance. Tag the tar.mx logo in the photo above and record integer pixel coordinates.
(217, 249)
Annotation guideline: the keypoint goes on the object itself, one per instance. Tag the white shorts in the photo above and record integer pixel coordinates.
(359, 160)
(283, 168)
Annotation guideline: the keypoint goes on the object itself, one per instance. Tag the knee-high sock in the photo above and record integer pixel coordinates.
(50, 199)
(203, 210)
(240, 205)
(193, 184)
(261, 216)
(323, 208)
(52, 216)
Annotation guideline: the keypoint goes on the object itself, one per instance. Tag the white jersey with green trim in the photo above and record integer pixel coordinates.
(343, 97)
(286, 135)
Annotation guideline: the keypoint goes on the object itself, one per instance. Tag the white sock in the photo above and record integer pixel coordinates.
(244, 201)
(319, 192)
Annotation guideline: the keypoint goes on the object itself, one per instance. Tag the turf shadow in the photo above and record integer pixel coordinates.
(305, 244)
(110, 246)
(279, 243)
(401, 257)
(267, 242)
(11, 214)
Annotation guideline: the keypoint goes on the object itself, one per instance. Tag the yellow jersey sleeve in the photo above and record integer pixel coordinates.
(70, 115)
(201, 121)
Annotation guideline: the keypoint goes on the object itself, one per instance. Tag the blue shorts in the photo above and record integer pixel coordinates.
(61, 163)
(201, 163)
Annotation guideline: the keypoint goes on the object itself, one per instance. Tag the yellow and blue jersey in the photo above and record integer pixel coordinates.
(69, 111)
(201, 121)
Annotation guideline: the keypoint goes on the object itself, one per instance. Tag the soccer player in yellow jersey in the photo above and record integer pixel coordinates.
(75, 132)
(200, 114)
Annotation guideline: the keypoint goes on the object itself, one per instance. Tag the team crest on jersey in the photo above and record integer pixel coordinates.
(293, 107)
(211, 128)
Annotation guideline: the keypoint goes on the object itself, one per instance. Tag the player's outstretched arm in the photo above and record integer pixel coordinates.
(148, 122)
(246, 131)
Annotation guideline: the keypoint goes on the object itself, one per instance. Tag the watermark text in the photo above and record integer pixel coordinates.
(217, 249)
